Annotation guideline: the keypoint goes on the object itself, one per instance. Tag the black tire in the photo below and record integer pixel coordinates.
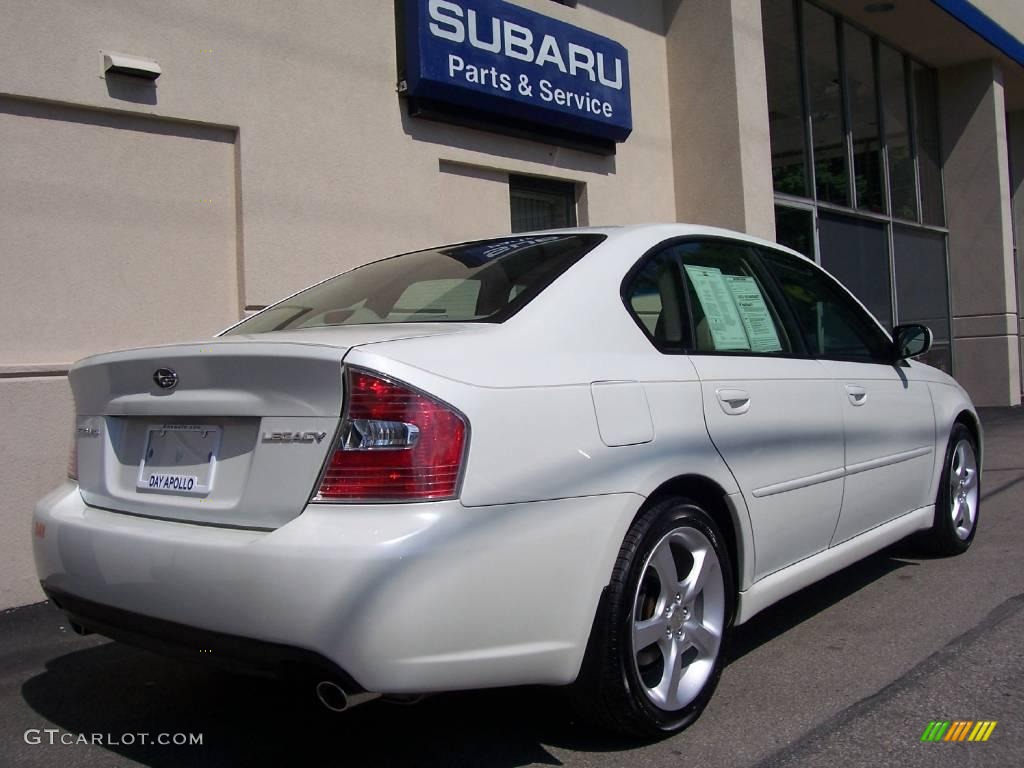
(609, 691)
(943, 538)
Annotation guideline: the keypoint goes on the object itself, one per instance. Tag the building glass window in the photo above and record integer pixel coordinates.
(856, 251)
(863, 97)
(902, 183)
(785, 98)
(929, 161)
(922, 290)
(825, 99)
(541, 204)
(794, 228)
(870, 115)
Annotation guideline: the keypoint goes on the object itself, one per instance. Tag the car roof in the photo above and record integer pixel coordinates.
(657, 232)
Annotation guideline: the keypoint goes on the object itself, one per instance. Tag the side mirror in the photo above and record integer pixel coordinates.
(911, 340)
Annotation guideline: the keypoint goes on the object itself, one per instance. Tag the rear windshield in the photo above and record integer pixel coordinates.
(483, 281)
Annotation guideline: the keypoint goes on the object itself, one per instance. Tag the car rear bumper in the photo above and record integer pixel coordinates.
(235, 654)
(405, 598)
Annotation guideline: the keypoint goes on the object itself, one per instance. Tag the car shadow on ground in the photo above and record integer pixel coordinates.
(795, 609)
(115, 689)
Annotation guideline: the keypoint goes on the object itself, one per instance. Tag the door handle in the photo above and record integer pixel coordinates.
(857, 394)
(733, 401)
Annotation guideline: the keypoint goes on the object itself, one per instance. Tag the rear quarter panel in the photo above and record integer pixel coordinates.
(537, 443)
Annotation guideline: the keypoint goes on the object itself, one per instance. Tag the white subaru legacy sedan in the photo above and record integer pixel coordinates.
(576, 457)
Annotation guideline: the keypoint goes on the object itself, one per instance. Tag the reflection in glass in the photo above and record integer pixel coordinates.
(785, 105)
(794, 228)
(867, 146)
(857, 253)
(897, 133)
(929, 162)
(922, 291)
(825, 97)
(830, 322)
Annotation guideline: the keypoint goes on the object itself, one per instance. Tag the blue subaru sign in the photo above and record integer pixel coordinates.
(496, 58)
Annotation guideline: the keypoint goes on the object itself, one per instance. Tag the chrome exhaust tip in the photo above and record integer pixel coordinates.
(337, 699)
(332, 696)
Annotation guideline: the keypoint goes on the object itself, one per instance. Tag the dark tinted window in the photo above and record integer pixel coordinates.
(929, 158)
(832, 324)
(794, 228)
(922, 293)
(826, 102)
(867, 146)
(856, 252)
(481, 281)
(541, 204)
(785, 98)
(897, 133)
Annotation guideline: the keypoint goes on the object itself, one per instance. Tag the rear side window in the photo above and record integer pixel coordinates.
(655, 297)
(707, 297)
(483, 281)
(832, 324)
(730, 307)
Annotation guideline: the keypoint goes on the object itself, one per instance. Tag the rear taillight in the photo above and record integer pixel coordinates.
(395, 444)
(73, 456)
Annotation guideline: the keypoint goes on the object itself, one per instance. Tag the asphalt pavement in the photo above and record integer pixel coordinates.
(848, 672)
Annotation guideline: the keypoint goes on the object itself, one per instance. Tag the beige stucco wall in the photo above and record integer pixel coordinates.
(719, 109)
(332, 172)
(116, 231)
(272, 151)
(38, 410)
(976, 177)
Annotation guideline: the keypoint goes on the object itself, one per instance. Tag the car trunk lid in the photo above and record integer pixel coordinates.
(231, 432)
(222, 433)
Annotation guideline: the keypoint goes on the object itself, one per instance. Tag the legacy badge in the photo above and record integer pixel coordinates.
(293, 437)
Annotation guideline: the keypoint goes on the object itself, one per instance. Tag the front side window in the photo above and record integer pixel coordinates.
(832, 324)
(483, 281)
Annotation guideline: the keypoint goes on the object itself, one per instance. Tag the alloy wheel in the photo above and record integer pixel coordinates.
(678, 618)
(963, 488)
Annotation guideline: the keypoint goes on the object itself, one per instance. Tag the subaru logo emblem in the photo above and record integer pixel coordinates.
(165, 378)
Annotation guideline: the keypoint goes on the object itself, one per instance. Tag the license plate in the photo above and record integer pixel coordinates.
(179, 459)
